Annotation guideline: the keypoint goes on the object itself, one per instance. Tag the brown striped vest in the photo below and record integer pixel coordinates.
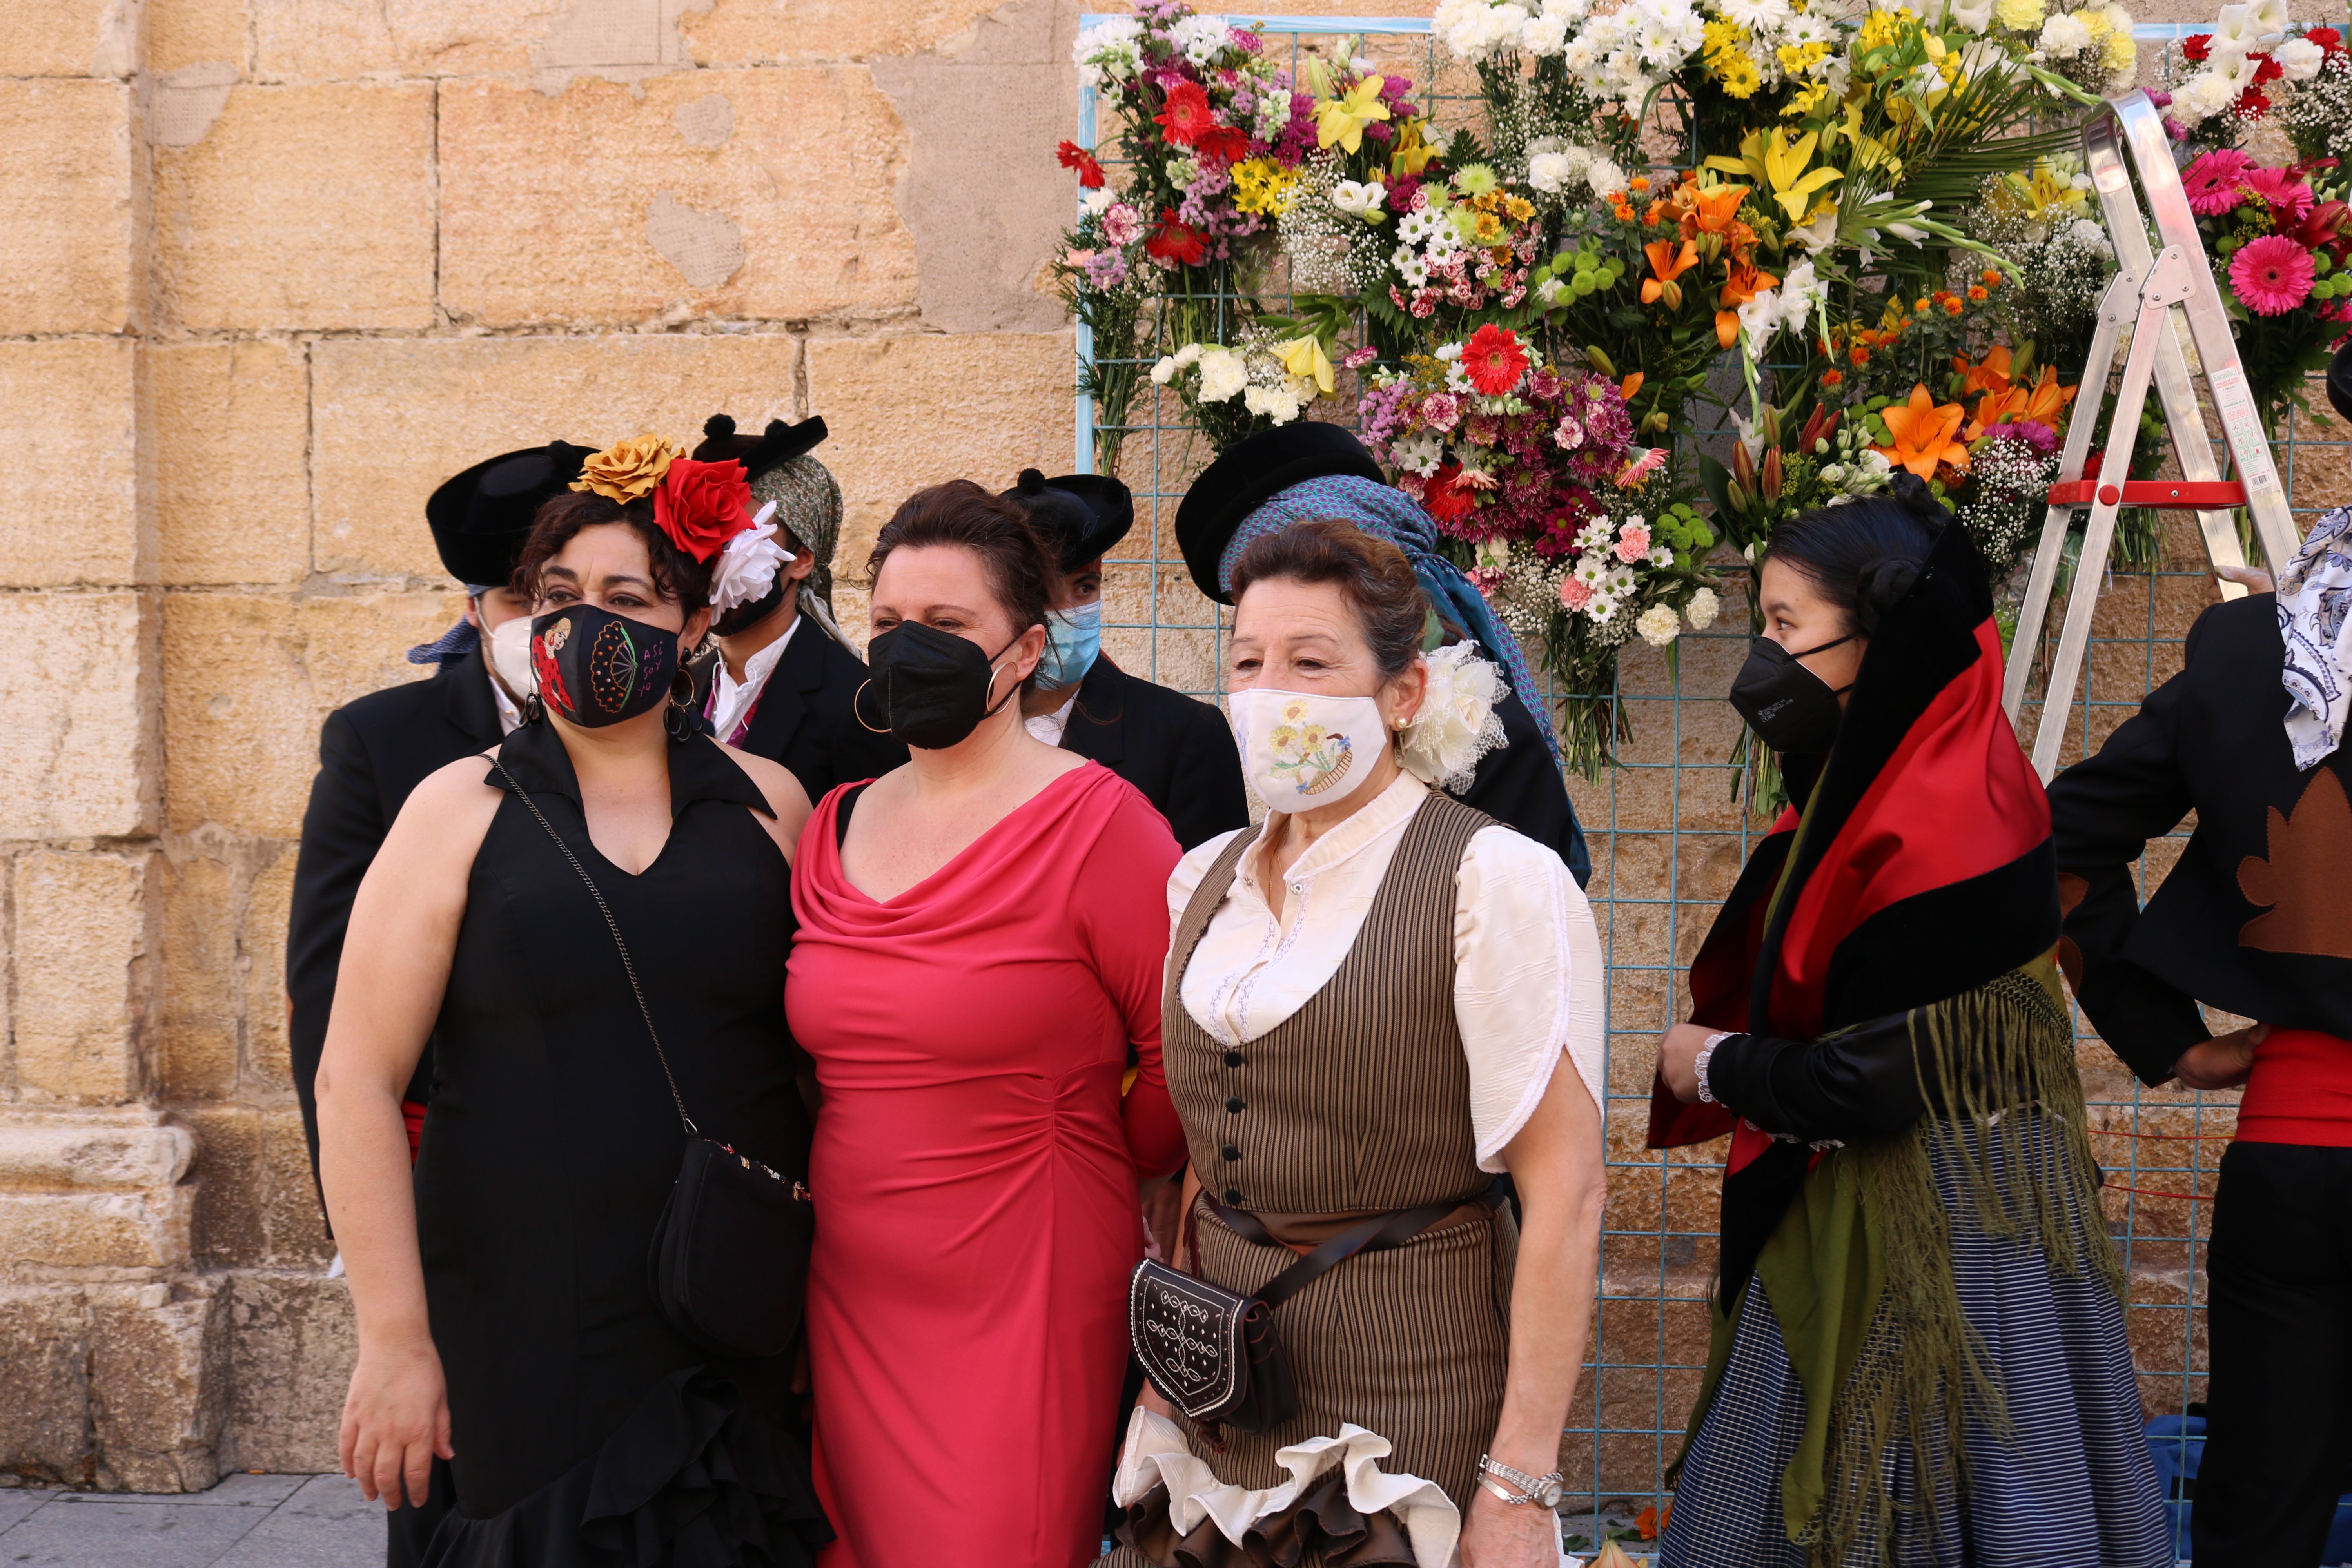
(1360, 1101)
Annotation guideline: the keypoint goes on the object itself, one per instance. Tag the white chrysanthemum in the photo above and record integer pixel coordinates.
(1592, 570)
(1199, 38)
(1411, 269)
(1416, 227)
(1474, 30)
(1659, 625)
(1660, 556)
(1808, 27)
(1223, 373)
(1423, 452)
(1619, 584)
(1593, 539)
(1756, 16)
(1456, 724)
(1106, 51)
(1601, 610)
(1702, 608)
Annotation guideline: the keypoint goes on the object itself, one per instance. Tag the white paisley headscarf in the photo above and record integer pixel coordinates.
(2315, 615)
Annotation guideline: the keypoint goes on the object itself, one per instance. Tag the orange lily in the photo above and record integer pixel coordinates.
(1714, 210)
(1630, 386)
(1746, 282)
(1991, 377)
(2042, 402)
(1668, 265)
(1924, 432)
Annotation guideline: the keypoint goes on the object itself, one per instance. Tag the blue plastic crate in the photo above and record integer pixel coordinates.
(2176, 1444)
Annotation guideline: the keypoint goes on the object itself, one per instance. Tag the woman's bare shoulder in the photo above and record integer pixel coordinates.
(788, 803)
(451, 800)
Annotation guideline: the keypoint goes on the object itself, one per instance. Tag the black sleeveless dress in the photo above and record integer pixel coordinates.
(587, 1432)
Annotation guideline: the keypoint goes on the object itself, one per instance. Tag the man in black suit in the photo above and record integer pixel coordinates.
(782, 682)
(373, 752)
(1178, 751)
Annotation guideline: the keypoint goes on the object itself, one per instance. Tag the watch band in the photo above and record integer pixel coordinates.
(1707, 1055)
(1544, 1490)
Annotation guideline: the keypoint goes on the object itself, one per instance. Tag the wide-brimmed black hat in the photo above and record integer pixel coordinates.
(1079, 516)
(480, 519)
(1249, 474)
(2339, 380)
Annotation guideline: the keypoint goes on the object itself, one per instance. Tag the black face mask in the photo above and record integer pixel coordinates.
(930, 687)
(1790, 708)
(596, 668)
(743, 617)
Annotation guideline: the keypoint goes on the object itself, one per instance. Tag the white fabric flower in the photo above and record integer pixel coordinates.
(1658, 625)
(746, 568)
(1702, 608)
(1456, 724)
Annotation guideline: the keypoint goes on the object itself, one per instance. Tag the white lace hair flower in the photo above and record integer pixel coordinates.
(746, 568)
(1457, 724)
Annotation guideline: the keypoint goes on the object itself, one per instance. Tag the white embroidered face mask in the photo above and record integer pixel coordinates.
(1301, 750)
(510, 657)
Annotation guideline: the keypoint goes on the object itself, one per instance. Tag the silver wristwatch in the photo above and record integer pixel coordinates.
(1545, 1489)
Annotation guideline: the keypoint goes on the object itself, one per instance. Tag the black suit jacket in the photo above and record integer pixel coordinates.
(2256, 915)
(803, 718)
(372, 752)
(1178, 752)
(1520, 787)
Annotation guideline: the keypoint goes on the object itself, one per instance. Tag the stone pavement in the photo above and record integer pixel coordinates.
(246, 1521)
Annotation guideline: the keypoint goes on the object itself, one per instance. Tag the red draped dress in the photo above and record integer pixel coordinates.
(975, 1175)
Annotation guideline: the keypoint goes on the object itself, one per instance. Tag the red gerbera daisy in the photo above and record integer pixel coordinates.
(1445, 496)
(1222, 144)
(1187, 117)
(1173, 240)
(1494, 361)
(1073, 156)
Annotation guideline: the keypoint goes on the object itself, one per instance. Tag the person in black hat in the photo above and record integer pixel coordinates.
(1305, 470)
(2254, 918)
(373, 752)
(1178, 751)
(780, 677)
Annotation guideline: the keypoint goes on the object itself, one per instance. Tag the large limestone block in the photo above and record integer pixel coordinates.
(232, 425)
(291, 1346)
(199, 1058)
(66, 251)
(85, 935)
(269, 901)
(72, 413)
(335, 40)
(911, 410)
(128, 1150)
(766, 194)
(796, 31)
(158, 1376)
(44, 1394)
(68, 37)
(302, 208)
(384, 435)
(96, 1235)
(248, 679)
(184, 33)
(257, 1203)
(76, 758)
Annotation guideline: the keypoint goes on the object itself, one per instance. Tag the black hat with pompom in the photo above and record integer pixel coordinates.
(1079, 516)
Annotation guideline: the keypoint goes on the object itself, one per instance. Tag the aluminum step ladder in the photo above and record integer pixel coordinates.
(2147, 288)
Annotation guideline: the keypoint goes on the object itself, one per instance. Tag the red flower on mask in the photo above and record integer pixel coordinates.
(1073, 156)
(701, 506)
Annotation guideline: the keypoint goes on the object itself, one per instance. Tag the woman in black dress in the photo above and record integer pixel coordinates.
(516, 1381)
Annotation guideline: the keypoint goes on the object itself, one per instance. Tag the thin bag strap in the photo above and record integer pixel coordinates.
(1377, 1234)
(614, 927)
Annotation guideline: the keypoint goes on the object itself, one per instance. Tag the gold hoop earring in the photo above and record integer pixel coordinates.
(857, 713)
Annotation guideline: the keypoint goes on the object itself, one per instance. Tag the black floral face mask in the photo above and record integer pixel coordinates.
(596, 668)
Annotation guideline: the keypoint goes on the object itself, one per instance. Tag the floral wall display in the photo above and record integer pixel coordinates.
(1870, 223)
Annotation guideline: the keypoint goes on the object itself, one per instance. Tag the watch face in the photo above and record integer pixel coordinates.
(1549, 1495)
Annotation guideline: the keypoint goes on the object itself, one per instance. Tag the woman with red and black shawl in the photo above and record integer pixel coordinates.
(1918, 1353)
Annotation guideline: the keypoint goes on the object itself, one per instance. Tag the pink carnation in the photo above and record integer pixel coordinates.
(1441, 410)
(2212, 182)
(2272, 275)
(1575, 593)
(1569, 434)
(1122, 223)
(1632, 543)
(1356, 359)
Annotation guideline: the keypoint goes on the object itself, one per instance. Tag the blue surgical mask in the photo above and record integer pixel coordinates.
(1073, 639)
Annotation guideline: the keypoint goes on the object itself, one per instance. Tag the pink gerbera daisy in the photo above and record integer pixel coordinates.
(2212, 182)
(2272, 275)
(2281, 189)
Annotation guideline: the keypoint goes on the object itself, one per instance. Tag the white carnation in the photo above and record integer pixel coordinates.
(2299, 58)
(1658, 625)
(1604, 176)
(2064, 35)
(1702, 608)
(1222, 374)
(1544, 35)
(1279, 404)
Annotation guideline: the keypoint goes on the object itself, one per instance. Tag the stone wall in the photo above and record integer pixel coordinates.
(272, 269)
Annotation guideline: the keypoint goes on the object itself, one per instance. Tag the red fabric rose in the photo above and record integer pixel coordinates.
(701, 506)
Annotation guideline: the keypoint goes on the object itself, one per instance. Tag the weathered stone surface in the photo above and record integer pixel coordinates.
(991, 405)
(799, 32)
(45, 1397)
(231, 433)
(68, 37)
(85, 933)
(73, 410)
(302, 208)
(76, 757)
(198, 1059)
(385, 440)
(262, 952)
(248, 679)
(256, 1203)
(805, 177)
(66, 255)
(329, 41)
(44, 1150)
(159, 1375)
(97, 1235)
(292, 1343)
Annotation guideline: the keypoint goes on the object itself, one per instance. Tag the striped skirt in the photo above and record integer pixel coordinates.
(2071, 1486)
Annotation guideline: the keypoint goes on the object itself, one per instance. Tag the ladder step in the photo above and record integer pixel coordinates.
(2179, 495)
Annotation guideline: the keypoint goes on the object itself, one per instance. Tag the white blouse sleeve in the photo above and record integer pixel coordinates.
(1528, 982)
(1184, 881)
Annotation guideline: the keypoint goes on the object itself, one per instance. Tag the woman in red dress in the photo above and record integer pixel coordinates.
(982, 937)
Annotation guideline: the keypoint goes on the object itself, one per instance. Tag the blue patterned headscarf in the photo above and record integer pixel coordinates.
(1386, 513)
(455, 643)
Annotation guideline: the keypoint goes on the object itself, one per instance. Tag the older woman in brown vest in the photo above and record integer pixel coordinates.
(1376, 1004)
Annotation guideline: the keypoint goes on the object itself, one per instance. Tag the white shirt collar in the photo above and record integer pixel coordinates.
(1051, 727)
(1381, 816)
(731, 700)
(510, 716)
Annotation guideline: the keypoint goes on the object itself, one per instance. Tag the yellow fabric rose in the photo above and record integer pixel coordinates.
(628, 469)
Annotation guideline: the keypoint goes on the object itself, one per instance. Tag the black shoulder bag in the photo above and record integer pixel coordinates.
(1213, 1353)
(729, 1260)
